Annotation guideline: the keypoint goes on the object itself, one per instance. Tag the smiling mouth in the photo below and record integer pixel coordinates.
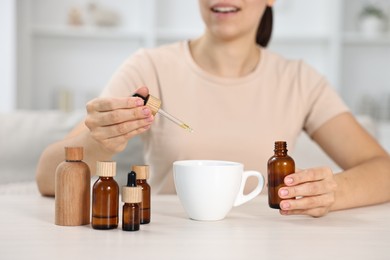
(225, 9)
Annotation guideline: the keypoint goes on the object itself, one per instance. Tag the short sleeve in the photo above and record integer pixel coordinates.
(135, 72)
(323, 102)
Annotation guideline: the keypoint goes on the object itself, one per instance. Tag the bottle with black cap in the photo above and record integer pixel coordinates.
(132, 197)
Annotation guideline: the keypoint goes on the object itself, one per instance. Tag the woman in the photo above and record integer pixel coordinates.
(239, 98)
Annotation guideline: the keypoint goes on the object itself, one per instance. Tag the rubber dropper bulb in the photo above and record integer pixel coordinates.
(132, 179)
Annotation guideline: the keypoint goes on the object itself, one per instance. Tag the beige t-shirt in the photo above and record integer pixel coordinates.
(235, 119)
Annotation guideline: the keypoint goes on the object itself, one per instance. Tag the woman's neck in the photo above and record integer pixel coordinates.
(226, 59)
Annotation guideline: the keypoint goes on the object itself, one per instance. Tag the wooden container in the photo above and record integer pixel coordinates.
(72, 189)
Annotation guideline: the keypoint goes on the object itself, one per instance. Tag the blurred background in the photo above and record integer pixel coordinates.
(57, 55)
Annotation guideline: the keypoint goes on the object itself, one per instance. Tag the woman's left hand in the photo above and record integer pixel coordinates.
(314, 190)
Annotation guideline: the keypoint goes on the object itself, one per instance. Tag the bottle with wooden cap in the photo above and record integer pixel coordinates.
(105, 197)
(142, 172)
(279, 166)
(132, 197)
(72, 189)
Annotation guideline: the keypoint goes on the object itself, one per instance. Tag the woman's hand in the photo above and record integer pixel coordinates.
(113, 121)
(315, 191)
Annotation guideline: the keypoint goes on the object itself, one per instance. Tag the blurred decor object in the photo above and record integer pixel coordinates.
(103, 16)
(372, 20)
(368, 106)
(75, 17)
(376, 107)
(65, 100)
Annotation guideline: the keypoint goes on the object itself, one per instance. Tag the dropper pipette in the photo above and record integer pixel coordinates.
(154, 104)
(175, 120)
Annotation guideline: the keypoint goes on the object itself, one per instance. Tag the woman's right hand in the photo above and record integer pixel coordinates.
(113, 121)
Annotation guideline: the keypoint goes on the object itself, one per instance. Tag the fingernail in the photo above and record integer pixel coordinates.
(139, 102)
(146, 111)
(149, 119)
(285, 205)
(284, 192)
(288, 180)
(283, 212)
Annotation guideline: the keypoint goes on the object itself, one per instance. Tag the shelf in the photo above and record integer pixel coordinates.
(300, 39)
(177, 34)
(356, 38)
(86, 32)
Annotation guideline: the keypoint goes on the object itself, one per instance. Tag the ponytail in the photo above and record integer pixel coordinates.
(264, 32)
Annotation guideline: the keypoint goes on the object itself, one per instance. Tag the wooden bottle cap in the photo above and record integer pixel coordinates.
(142, 171)
(131, 194)
(74, 153)
(154, 104)
(106, 168)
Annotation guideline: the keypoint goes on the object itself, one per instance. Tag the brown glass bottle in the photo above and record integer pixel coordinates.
(105, 197)
(279, 166)
(72, 189)
(132, 197)
(142, 172)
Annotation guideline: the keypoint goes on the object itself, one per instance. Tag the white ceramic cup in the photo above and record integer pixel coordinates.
(208, 189)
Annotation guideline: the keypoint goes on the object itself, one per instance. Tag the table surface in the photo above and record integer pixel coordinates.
(250, 231)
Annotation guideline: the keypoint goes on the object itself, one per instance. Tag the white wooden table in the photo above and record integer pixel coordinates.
(251, 231)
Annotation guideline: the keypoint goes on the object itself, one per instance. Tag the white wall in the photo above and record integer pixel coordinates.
(7, 55)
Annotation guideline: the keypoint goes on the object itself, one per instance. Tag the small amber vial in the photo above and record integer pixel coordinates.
(105, 197)
(132, 197)
(279, 166)
(142, 172)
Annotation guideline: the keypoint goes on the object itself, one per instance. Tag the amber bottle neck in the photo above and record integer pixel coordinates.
(280, 148)
(106, 178)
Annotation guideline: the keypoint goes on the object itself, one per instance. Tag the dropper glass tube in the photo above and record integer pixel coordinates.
(175, 120)
(154, 104)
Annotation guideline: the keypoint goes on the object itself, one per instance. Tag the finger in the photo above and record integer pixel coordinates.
(122, 115)
(127, 136)
(118, 143)
(307, 175)
(109, 104)
(306, 203)
(124, 128)
(317, 212)
(143, 91)
(307, 189)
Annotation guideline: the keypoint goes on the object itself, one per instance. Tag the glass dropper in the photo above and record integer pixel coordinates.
(154, 104)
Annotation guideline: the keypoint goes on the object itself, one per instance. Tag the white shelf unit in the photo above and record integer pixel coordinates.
(85, 32)
(356, 38)
(365, 63)
(54, 57)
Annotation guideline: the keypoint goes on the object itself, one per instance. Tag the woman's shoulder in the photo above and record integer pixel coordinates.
(287, 67)
(150, 58)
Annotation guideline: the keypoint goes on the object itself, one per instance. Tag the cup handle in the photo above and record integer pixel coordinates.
(241, 198)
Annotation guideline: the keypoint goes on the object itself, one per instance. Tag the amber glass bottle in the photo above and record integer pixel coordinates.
(72, 189)
(105, 197)
(279, 166)
(142, 172)
(132, 197)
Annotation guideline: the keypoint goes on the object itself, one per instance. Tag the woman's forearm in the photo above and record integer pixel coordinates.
(365, 184)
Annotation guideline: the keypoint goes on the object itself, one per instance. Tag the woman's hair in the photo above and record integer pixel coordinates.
(263, 35)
